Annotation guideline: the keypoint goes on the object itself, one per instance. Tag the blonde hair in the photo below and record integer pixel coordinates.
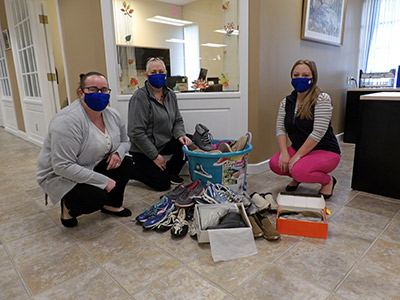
(304, 108)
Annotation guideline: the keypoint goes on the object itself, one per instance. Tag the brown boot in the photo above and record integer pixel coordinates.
(257, 232)
(269, 232)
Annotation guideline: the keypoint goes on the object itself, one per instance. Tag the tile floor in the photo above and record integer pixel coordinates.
(109, 258)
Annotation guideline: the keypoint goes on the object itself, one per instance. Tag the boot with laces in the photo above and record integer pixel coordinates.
(202, 138)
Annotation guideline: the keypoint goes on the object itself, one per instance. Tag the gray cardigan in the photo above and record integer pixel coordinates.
(69, 153)
(150, 124)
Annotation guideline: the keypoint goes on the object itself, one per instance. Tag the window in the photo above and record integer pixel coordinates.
(198, 38)
(4, 82)
(383, 39)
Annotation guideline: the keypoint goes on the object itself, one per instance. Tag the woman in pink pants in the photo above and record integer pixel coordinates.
(305, 117)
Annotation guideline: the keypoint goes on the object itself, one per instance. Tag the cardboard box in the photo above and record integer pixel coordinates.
(298, 203)
(234, 233)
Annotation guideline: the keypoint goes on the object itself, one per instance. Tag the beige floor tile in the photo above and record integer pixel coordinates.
(9, 187)
(3, 254)
(368, 282)
(374, 204)
(359, 220)
(8, 214)
(349, 243)
(18, 228)
(181, 284)
(44, 272)
(44, 242)
(114, 243)
(392, 233)
(274, 283)
(228, 274)
(136, 270)
(11, 286)
(13, 200)
(91, 285)
(316, 264)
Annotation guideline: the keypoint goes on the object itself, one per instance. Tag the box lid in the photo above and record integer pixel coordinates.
(301, 202)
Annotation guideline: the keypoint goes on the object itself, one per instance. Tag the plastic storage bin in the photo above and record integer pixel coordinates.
(229, 169)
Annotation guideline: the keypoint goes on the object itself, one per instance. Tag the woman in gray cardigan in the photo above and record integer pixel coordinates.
(82, 163)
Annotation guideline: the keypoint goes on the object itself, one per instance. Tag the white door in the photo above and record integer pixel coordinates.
(7, 112)
(34, 65)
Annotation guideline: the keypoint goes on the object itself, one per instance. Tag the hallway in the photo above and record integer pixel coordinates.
(109, 258)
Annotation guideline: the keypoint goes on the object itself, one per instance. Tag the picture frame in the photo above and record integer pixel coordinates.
(323, 21)
(6, 39)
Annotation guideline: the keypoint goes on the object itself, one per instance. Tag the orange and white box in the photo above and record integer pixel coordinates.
(299, 203)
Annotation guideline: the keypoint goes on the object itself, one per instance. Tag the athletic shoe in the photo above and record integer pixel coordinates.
(186, 198)
(161, 215)
(175, 179)
(198, 169)
(202, 137)
(180, 226)
(153, 210)
(168, 222)
(215, 192)
(173, 194)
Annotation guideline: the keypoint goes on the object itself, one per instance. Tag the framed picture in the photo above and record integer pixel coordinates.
(6, 38)
(323, 21)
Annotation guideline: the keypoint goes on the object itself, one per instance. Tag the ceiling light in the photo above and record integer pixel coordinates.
(213, 45)
(235, 32)
(175, 41)
(169, 21)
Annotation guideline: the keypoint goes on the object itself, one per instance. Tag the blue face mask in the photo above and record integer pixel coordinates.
(158, 80)
(97, 101)
(302, 84)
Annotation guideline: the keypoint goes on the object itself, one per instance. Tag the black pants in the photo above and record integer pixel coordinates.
(85, 198)
(146, 170)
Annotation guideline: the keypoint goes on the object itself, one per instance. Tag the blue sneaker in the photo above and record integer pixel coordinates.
(215, 192)
(161, 214)
(153, 210)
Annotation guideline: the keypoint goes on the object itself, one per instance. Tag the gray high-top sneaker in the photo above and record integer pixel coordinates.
(202, 138)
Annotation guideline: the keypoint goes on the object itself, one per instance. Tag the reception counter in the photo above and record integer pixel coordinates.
(376, 166)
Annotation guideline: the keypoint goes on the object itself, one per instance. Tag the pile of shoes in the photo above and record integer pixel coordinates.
(173, 211)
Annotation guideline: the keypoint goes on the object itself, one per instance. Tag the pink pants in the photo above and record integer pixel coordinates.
(311, 168)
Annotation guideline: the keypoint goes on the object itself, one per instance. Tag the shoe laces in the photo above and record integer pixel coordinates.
(206, 138)
(156, 207)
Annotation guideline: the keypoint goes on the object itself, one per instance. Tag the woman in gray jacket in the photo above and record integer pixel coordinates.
(82, 163)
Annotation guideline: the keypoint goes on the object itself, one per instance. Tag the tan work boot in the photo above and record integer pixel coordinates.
(257, 232)
(269, 231)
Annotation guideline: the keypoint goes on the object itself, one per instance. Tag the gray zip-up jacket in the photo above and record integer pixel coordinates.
(69, 153)
(150, 124)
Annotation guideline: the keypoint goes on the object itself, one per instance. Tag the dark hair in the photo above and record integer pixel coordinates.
(304, 109)
(83, 78)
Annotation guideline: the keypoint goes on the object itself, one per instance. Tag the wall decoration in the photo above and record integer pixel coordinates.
(127, 10)
(199, 84)
(128, 38)
(229, 28)
(6, 39)
(225, 5)
(323, 21)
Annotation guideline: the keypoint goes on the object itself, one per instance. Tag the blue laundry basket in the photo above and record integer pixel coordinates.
(229, 169)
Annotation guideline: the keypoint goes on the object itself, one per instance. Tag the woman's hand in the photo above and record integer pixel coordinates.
(283, 162)
(110, 185)
(185, 140)
(160, 162)
(293, 161)
(114, 161)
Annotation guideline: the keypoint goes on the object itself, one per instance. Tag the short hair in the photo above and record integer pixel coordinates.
(154, 59)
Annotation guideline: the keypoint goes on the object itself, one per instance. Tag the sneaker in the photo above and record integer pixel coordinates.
(264, 201)
(186, 198)
(153, 210)
(161, 215)
(198, 169)
(240, 144)
(180, 226)
(192, 230)
(175, 179)
(202, 137)
(168, 222)
(269, 231)
(224, 147)
(214, 191)
(173, 194)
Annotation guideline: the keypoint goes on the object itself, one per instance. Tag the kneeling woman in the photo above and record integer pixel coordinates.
(82, 163)
(305, 116)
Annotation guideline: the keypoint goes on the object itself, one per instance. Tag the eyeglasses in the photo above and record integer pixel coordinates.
(158, 58)
(93, 89)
